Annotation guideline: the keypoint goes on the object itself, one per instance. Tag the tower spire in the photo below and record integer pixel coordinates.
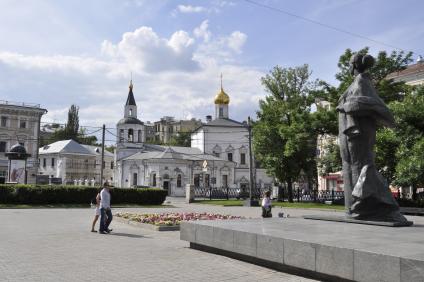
(221, 81)
(131, 83)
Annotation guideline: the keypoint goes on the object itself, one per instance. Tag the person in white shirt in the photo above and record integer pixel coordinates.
(266, 205)
(105, 210)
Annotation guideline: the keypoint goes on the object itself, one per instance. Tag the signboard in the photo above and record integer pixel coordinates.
(205, 166)
(17, 171)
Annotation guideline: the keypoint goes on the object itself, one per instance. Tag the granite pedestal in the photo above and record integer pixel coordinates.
(322, 249)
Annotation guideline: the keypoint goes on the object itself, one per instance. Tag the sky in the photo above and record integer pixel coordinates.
(84, 52)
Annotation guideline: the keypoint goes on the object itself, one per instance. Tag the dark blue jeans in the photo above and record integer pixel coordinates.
(105, 219)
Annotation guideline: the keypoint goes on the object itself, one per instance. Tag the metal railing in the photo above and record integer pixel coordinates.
(20, 104)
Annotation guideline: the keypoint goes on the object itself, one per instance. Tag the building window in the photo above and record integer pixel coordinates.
(52, 162)
(154, 179)
(206, 181)
(230, 157)
(216, 154)
(44, 162)
(130, 135)
(243, 158)
(22, 124)
(134, 179)
(130, 112)
(121, 135)
(221, 112)
(224, 180)
(2, 146)
(196, 180)
(179, 180)
(139, 136)
(3, 121)
(111, 165)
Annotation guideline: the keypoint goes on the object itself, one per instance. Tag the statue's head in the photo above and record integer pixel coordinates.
(359, 63)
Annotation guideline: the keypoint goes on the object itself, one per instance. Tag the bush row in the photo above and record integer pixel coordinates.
(62, 194)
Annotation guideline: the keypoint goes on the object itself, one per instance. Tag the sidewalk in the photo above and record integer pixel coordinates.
(56, 245)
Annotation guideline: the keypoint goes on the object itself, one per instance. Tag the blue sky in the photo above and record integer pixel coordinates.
(61, 52)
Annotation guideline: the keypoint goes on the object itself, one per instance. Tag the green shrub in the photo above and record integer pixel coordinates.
(66, 194)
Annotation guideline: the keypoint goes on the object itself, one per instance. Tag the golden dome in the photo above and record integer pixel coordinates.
(222, 98)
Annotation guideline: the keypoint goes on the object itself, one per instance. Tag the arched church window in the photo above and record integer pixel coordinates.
(130, 112)
(179, 180)
(139, 136)
(130, 135)
(154, 179)
(221, 112)
(121, 135)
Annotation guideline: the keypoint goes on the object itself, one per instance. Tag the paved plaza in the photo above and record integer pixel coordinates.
(56, 245)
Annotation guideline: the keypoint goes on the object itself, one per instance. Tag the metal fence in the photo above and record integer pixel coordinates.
(226, 193)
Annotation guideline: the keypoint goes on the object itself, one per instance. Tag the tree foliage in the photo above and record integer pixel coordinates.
(283, 138)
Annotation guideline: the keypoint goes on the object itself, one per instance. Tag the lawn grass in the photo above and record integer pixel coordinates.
(235, 203)
(77, 206)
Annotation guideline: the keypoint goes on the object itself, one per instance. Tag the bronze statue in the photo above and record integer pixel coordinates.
(361, 112)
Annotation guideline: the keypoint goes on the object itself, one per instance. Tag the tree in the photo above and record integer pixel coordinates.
(331, 160)
(181, 139)
(72, 126)
(283, 138)
(384, 65)
(409, 115)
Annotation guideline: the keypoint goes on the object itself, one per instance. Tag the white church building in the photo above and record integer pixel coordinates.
(166, 167)
(227, 139)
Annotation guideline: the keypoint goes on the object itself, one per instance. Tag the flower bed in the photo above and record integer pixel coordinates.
(171, 219)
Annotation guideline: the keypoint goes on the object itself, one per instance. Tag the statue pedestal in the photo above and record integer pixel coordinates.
(356, 221)
(324, 250)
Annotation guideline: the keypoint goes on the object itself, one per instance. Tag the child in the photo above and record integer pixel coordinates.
(266, 205)
(96, 212)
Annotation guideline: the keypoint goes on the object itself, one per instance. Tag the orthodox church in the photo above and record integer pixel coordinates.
(218, 156)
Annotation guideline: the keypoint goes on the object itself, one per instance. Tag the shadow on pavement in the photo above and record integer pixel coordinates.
(127, 235)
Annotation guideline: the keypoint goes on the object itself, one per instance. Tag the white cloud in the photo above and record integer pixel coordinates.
(177, 76)
(190, 9)
(143, 50)
(202, 31)
(236, 41)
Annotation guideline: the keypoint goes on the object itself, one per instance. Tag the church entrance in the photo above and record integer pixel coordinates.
(166, 186)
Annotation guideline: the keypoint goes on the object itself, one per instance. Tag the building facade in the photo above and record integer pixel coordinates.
(228, 139)
(167, 167)
(20, 123)
(74, 163)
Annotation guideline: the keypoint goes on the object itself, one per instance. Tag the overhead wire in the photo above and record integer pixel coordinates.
(279, 10)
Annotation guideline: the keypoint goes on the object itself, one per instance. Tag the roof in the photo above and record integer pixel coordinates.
(410, 70)
(223, 122)
(172, 152)
(130, 120)
(65, 147)
(98, 150)
(130, 99)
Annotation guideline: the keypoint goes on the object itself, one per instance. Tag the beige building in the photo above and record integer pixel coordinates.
(412, 75)
(20, 123)
(168, 127)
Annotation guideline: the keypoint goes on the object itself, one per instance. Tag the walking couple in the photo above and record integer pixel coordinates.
(103, 210)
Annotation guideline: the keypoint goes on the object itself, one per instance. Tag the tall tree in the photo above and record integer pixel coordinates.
(283, 139)
(72, 126)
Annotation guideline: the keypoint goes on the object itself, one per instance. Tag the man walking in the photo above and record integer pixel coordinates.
(105, 210)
